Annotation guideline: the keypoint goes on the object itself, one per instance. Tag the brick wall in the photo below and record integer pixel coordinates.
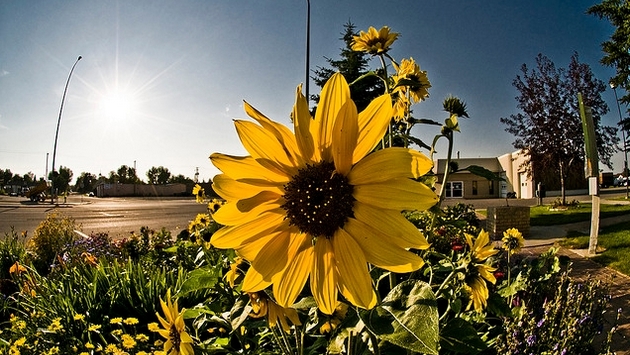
(503, 218)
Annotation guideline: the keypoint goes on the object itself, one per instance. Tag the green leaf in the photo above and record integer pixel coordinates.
(483, 172)
(200, 279)
(460, 337)
(408, 318)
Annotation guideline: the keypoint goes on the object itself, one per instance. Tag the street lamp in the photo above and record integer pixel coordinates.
(63, 98)
(623, 142)
(308, 45)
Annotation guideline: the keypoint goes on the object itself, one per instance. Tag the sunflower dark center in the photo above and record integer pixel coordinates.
(318, 200)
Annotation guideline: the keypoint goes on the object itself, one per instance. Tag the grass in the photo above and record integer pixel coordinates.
(615, 240)
(542, 216)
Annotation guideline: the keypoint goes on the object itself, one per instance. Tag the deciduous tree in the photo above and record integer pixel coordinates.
(548, 129)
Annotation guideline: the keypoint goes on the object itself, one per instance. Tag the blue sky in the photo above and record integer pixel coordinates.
(179, 71)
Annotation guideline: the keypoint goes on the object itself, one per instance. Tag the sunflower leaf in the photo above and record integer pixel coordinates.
(408, 318)
(483, 172)
(461, 337)
(200, 279)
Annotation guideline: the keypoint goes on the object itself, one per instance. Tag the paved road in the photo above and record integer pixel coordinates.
(115, 216)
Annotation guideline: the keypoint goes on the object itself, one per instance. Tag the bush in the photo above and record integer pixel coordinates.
(49, 240)
(554, 314)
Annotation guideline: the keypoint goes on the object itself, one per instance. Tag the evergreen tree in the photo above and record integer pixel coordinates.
(352, 65)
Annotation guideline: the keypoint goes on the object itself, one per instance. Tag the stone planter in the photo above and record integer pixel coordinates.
(503, 218)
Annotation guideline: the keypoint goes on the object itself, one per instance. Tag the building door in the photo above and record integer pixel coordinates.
(455, 189)
(524, 188)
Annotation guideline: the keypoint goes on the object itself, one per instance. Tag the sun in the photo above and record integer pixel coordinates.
(117, 106)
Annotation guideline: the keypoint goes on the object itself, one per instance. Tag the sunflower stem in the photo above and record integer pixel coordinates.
(447, 168)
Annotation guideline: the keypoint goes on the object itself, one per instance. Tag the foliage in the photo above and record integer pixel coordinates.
(49, 239)
(61, 179)
(554, 314)
(158, 175)
(86, 182)
(549, 129)
(616, 48)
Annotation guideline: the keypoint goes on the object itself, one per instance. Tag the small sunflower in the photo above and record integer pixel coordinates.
(513, 241)
(480, 248)
(174, 330)
(199, 192)
(476, 285)
(373, 41)
(263, 306)
(410, 78)
(317, 205)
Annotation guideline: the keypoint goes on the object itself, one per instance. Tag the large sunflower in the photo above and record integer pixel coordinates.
(316, 204)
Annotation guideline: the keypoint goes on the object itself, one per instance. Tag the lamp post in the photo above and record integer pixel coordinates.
(623, 142)
(308, 45)
(63, 98)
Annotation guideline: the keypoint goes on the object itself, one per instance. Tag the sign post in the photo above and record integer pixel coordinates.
(591, 171)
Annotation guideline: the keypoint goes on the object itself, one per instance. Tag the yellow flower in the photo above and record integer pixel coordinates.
(16, 268)
(153, 327)
(214, 205)
(143, 338)
(262, 306)
(374, 42)
(481, 249)
(401, 106)
(235, 270)
(335, 319)
(199, 192)
(316, 204)
(89, 346)
(112, 349)
(131, 321)
(94, 327)
(55, 325)
(410, 78)
(116, 332)
(177, 339)
(117, 320)
(79, 317)
(476, 285)
(513, 240)
(128, 342)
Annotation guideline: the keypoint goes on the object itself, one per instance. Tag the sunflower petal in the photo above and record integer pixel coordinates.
(264, 146)
(379, 251)
(280, 131)
(233, 237)
(388, 164)
(354, 278)
(396, 194)
(324, 276)
(333, 96)
(245, 168)
(373, 122)
(345, 133)
(288, 284)
(230, 189)
(254, 281)
(245, 210)
(393, 224)
(272, 257)
(306, 133)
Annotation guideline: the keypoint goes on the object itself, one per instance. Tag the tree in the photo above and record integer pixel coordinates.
(159, 175)
(617, 54)
(181, 179)
(61, 179)
(85, 183)
(127, 175)
(549, 128)
(352, 65)
(617, 48)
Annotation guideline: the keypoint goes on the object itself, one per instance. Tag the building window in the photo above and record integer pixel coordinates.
(490, 187)
(474, 188)
(455, 189)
